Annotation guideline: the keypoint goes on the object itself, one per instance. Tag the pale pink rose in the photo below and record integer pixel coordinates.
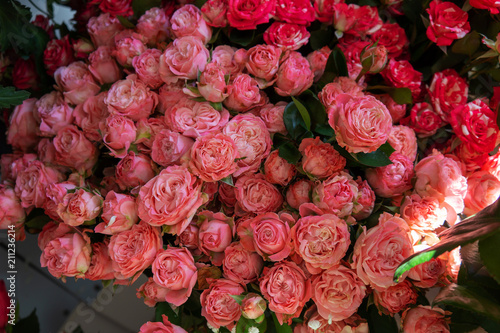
(286, 36)
(168, 147)
(320, 159)
(277, 170)
(253, 140)
(240, 265)
(182, 59)
(23, 126)
(118, 133)
(361, 124)
(103, 28)
(423, 214)
(53, 113)
(119, 213)
(89, 114)
(217, 305)
(294, 75)
(394, 179)
(152, 292)
(272, 116)
(336, 195)
(224, 56)
(396, 298)
(101, 266)
(321, 241)
(161, 327)
(214, 12)
(253, 306)
(174, 269)
(128, 45)
(256, 195)
(317, 60)
(170, 199)
(169, 94)
(441, 177)
(427, 274)
(397, 111)
(79, 206)
(103, 67)
(154, 25)
(330, 289)
(11, 211)
(74, 150)
(76, 82)
(365, 202)
(31, 183)
(263, 63)
(213, 156)
(132, 251)
(244, 94)
(299, 193)
(341, 85)
(404, 141)
(216, 233)
(380, 250)
(131, 98)
(425, 319)
(212, 84)
(483, 189)
(287, 290)
(134, 170)
(188, 21)
(189, 238)
(67, 255)
(146, 67)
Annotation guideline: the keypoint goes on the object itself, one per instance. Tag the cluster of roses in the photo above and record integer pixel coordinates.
(190, 131)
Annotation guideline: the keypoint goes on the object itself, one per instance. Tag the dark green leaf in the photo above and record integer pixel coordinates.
(199, 3)
(380, 323)
(289, 152)
(244, 325)
(412, 9)
(303, 113)
(321, 38)
(378, 158)
(340, 62)
(315, 107)
(285, 328)
(141, 6)
(324, 129)
(164, 308)
(279, 139)
(28, 324)
(9, 96)
(336, 65)
(228, 180)
(238, 298)
(490, 256)
(467, 45)
(242, 37)
(126, 22)
(294, 123)
(401, 95)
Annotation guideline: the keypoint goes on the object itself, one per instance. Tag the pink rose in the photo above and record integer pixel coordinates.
(225, 56)
(74, 150)
(101, 266)
(118, 133)
(320, 159)
(321, 241)
(397, 111)
(447, 91)
(55, 193)
(299, 193)
(336, 194)
(396, 298)
(212, 84)
(214, 12)
(227, 195)
(79, 207)
(365, 201)
(76, 82)
(401, 74)
(161, 327)
(425, 319)
(294, 76)
(146, 66)
(244, 94)
(170, 199)
(182, 59)
(103, 67)
(216, 233)
(217, 305)
(253, 306)
(23, 126)
(361, 124)
(256, 195)
(154, 25)
(246, 15)
(152, 293)
(404, 141)
(380, 250)
(134, 170)
(119, 213)
(393, 38)
(240, 265)
(103, 28)
(169, 94)
(324, 10)
(286, 36)
(394, 179)
(263, 62)
(90, 114)
(295, 11)
(287, 290)
(330, 289)
(423, 120)
(272, 116)
(168, 147)
(128, 45)
(314, 322)
(341, 85)
(57, 53)
(147, 130)
(483, 189)
(174, 269)
(317, 60)
(189, 238)
(188, 21)
(11, 211)
(53, 113)
(277, 170)
(132, 251)
(427, 274)
(447, 22)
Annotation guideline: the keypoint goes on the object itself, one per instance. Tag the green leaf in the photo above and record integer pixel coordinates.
(242, 37)
(164, 308)
(217, 106)
(324, 129)
(488, 250)
(380, 323)
(228, 180)
(303, 113)
(467, 45)
(336, 65)
(321, 38)
(9, 96)
(244, 325)
(294, 122)
(401, 95)
(316, 109)
(285, 328)
(470, 299)
(238, 298)
(378, 158)
(125, 22)
(476, 227)
(141, 6)
(199, 3)
(289, 152)
(27, 324)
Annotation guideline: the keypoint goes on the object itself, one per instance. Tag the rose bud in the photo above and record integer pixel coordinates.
(22, 132)
(128, 45)
(294, 76)
(212, 85)
(253, 306)
(134, 170)
(82, 48)
(374, 58)
(103, 67)
(299, 193)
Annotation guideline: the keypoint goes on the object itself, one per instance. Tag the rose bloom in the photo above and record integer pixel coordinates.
(128, 45)
(447, 91)
(101, 266)
(324, 10)
(397, 111)
(294, 75)
(67, 254)
(118, 133)
(213, 156)
(340, 85)
(217, 305)
(263, 62)
(277, 170)
(256, 195)
(314, 322)
(338, 292)
(24, 75)
(404, 141)
(240, 265)
(320, 159)
(396, 298)
(168, 147)
(146, 66)
(152, 292)
(79, 207)
(380, 250)
(89, 114)
(103, 28)
(394, 179)
(147, 130)
(174, 269)
(57, 53)
(132, 251)
(169, 94)
(103, 67)
(253, 140)
(244, 94)
(272, 116)
(214, 12)
(212, 84)
(393, 37)
(447, 22)
(423, 214)
(423, 120)
(53, 113)
(50, 231)
(295, 11)
(287, 290)
(286, 36)
(119, 213)
(74, 150)
(317, 60)
(182, 59)
(134, 170)
(224, 56)
(188, 21)
(215, 234)
(401, 74)
(491, 5)
(76, 82)
(117, 7)
(365, 202)
(246, 15)
(321, 241)
(189, 238)
(483, 189)
(427, 274)
(23, 126)
(424, 319)
(361, 124)
(170, 199)
(11, 210)
(13, 164)
(336, 194)
(153, 25)
(165, 326)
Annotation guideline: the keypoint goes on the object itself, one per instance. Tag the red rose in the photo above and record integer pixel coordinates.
(295, 11)
(247, 14)
(24, 74)
(447, 91)
(400, 74)
(57, 53)
(117, 7)
(447, 22)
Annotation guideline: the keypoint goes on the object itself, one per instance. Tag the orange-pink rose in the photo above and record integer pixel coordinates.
(320, 159)
(217, 305)
(256, 195)
(423, 319)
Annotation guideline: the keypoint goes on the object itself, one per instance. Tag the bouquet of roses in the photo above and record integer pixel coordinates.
(268, 164)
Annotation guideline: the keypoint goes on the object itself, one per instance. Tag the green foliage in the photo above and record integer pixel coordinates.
(141, 6)
(380, 323)
(289, 152)
(164, 308)
(490, 256)
(27, 324)
(336, 65)
(9, 96)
